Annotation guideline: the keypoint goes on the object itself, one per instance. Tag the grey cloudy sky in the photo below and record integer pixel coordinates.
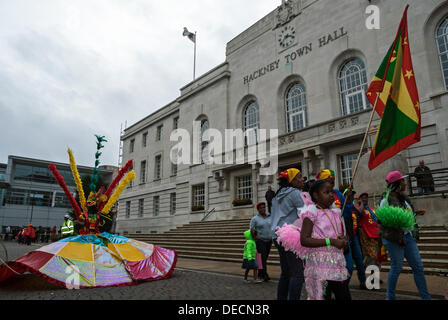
(72, 69)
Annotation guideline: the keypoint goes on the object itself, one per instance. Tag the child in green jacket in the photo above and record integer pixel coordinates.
(250, 252)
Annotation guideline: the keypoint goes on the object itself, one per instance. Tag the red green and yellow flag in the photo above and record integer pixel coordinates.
(398, 103)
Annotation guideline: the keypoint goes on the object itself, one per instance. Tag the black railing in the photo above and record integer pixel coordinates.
(439, 184)
(208, 214)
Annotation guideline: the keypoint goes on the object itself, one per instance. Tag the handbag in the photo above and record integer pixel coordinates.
(258, 260)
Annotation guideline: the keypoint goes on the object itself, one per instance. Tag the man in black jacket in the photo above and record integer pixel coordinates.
(425, 181)
(270, 194)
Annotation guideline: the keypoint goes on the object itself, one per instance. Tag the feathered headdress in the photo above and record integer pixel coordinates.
(103, 200)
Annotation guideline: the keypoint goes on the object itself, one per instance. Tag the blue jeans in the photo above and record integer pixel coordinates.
(422, 190)
(291, 276)
(357, 256)
(397, 254)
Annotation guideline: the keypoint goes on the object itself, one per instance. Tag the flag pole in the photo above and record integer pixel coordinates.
(194, 62)
(362, 147)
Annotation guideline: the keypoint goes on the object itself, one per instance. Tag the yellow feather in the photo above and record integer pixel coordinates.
(74, 168)
(114, 197)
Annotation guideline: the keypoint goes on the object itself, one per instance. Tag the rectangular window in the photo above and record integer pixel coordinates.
(156, 206)
(143, 172)
(244, 187)
(128, 209)
(174, 169)
(141, 203)
(173, 203)
(159, 133)
(158, 168)
(198, 197)
(175, 123)
(355, 101)
(131, 145)
(144, 139)
(347, 162)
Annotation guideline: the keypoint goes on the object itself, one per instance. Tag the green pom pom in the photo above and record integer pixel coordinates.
(395, 217)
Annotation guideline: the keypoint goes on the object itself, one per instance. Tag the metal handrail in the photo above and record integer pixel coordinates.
(208, 214)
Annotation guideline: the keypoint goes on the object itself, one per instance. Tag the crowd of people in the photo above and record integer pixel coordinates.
(30, 234)
(322, 234)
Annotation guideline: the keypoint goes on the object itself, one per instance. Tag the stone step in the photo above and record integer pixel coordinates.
(220, 223)
(208, 233)
(204, 236)
(434, 227)
(434, 233)
(428, 270)
(440, 247)
(210, 229)
(272, 263)
(426, 264)
(433, 240)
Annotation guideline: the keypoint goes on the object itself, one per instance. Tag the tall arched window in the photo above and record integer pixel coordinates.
(442, 44)
(251, 122)
(296, 107)
(204, 139)
(352, 86)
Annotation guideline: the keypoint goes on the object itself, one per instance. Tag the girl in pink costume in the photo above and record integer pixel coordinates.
(317, 238)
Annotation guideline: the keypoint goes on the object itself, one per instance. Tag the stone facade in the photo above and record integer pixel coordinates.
(307, 42)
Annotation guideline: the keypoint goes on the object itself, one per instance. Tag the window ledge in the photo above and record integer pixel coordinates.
(243, 206)
(199, 211)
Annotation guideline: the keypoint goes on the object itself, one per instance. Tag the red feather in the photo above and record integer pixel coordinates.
(119, 176)
(61, 182)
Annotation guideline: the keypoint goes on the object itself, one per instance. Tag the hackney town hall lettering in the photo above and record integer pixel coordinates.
(302, 51)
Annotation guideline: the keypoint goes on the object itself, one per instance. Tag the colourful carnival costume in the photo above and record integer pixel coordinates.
(323, 263)
(95, 258)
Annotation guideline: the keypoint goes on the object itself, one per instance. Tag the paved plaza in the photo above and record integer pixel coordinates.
(190, 281)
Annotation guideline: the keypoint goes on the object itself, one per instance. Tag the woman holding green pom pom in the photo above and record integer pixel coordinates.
(397, 219)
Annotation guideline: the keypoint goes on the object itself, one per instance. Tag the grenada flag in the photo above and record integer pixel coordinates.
(398, 103)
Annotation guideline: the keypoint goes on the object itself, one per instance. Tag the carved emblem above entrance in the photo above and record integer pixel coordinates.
(286, 12)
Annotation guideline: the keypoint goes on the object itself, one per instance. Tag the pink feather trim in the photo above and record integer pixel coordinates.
(289, 237)
(307, 198)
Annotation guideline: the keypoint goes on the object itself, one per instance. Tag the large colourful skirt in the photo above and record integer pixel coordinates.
(91, 261)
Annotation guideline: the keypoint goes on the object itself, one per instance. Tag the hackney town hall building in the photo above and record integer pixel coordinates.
(302, 70)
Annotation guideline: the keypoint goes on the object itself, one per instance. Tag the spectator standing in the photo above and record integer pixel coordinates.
(400, 242)
(29, 234)
(270, 194)
(285, 210)
(53, 233)
(7, 232)
(250, 252)
(262, 224)
(68, 227)
(425, 181)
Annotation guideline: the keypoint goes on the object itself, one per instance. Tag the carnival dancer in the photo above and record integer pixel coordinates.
(286, 206)
(318, 239)
(339, 200)
(397, 220)
(96, 258)
(373, 249)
